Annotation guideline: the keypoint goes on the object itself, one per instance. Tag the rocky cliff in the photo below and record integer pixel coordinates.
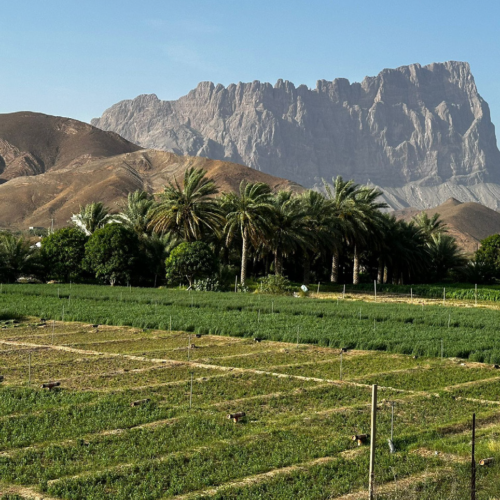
(409, 130)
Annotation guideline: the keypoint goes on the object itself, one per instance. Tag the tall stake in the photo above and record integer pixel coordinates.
(411, 295)
(375, 288)
(191, 392)
(444, 295)
(475, 294)
(343, 293)
(170, 324)
(189, 346)
(318, 286)
(373, 436)
(235, 284)
(341, 365)
(29, 368)
(473, 462)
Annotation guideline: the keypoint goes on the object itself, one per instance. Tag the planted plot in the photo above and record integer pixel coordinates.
(436, 377)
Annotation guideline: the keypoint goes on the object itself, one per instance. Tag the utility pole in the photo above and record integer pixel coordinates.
(373, 436)
(473, 460)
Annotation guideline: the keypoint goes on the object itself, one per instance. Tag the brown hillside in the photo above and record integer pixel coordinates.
(468, 222)
(34, 200)
(34, 143)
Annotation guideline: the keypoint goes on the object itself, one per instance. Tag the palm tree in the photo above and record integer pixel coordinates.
(248, 213)
(91, 217)
(369, 226)
(289, 229)
(136, 213)
(319, 225)
(157, 248)
(445, 255)
(430, 225)
(17, 256)
(188, 211)
(404, 253)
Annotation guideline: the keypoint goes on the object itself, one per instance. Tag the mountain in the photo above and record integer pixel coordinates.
(421, 133)
(34, 143)
(469, 222)
(51, 166)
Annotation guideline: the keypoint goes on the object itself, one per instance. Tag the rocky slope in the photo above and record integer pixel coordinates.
(410, 130)
(469, 222)
(34, 143)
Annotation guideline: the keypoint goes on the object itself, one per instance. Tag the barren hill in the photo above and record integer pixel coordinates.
(34, 143)
(421, 133)
(468, 222)
(33, 200)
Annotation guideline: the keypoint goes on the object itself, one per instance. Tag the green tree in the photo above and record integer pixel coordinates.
(320, 227)
(190, 211)
(91, 217)
(157, 248)
(430, 226)
(445, 255)
(136, 213)
(489, 252)
(289, 228)
(112, 254)
(190, 260)
(248, 213)
(63, 252)
(17, 257)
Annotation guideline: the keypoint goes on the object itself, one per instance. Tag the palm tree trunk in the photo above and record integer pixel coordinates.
(380, 271)
(355, 271)
(244, 258)
(307, 269)
(278, 263)
(334, 276)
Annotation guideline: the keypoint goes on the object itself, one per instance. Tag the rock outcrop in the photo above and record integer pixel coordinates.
(408, 130)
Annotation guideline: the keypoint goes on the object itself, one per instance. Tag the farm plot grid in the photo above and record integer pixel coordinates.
(143, 414)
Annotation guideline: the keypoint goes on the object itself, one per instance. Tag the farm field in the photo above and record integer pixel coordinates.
(84, 440)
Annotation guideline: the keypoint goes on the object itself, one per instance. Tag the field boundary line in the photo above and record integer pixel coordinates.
(471, 383)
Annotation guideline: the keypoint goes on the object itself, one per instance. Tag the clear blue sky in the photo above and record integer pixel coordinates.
(76, 58)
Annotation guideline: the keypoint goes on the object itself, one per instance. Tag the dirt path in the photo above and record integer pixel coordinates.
(22, 491)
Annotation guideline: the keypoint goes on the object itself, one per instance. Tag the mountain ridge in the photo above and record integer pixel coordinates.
(414, 126)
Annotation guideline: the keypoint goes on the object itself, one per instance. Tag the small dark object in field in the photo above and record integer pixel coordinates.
(81, 442)
(236, 417)
(51, 385)
(15, 322)
(486, 461)
(415, 357)
(198, 335)
(343, 349)
(1, 378)
(496, 367)
(139, 402)
(43, 320)
(360, 438)
(257, 339)
(95, 326)
(192, 346)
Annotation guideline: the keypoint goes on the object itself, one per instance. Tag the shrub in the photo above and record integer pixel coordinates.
(275, 283)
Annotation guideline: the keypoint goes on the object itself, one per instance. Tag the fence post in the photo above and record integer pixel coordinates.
(373, 436)
(473, 460)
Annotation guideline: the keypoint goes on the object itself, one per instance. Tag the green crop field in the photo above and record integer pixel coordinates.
(303, 401)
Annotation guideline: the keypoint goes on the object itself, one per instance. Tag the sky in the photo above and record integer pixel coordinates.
(77, 58)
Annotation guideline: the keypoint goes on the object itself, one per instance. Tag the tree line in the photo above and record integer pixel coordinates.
(191, 230)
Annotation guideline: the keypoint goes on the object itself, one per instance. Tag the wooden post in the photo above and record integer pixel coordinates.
(475, 294)
(318, 287)
(191, 392)
(235, 284)
(343, 293)
(444, 296)
(411, 295)
(341, 352)
(373, 436)
(375, 288)
(473, 460)
(29, 368)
